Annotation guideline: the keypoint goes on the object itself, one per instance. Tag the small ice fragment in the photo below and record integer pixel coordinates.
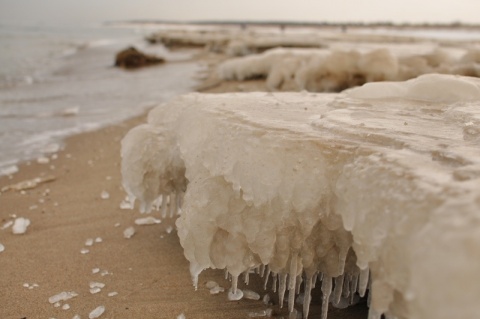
(105, 195)
(57, 304)
(116, 225)
(66, 306)
(84, 251)
(95, 270)
(125, 205)
(33, 207)
(65, 295)
(26, 285)
(94, 284)
(54, 156)
(2, 248)
(250, 294)
(95, 290)
(169, 229)
(113, 293)
(97, 312)
(98, 239)
(235, 296)
(43, 160)
(147, 221)
(266, 299)
(215, 290)
(20, 225)
(104, 273)
(258, 314)
(129, 232)
(7, 224)
(89, 242)
(181, 316)
(76, 317)
(211, 284)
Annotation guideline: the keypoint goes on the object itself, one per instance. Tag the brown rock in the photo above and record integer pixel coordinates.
(131, 58)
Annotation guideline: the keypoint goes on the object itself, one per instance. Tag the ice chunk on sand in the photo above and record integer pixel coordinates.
(250, 294)
(97, 312)
(20, 225)
(89, 242)
(84, 251)
(235, 295)
(7, 224)
(327, 186)
(112, 294)
(66, 306)
(76, 317)
(95, 270)
(2, 248)
(63, 296)
(129, 232)
(104, 195)
(147, 221)
(211, 284)
(181, 316)
(217, 289)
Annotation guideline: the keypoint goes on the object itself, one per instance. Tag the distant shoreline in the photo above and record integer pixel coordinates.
(379, 24)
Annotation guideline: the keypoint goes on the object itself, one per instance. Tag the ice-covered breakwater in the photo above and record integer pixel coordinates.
(376, 188)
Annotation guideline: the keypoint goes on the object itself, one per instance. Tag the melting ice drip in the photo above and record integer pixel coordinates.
(355, 189)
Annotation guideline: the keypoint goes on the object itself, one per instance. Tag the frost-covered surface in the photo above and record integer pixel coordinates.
(377, 187)
(338, 68)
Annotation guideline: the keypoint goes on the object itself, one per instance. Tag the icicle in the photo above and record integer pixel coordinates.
(179, 202)
(282, 286)
(234, 284)
(246, 276)
(337, 292)
(314, 279)
(173, 204)
(353, 288)
(369, 299)
(274, 284)
(346, 285)
(195, 270)
(363, 281)
(266, 278)
(262, 270)
(158, 202)
(326, 291)
(307, 298)
(164, 205)
(292, 283)
(299, 284)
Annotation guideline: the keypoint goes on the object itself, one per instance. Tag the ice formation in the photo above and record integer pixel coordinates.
(63, 296)
(333, 70)
(376, 189)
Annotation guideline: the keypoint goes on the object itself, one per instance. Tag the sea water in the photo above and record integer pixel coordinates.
(59, 80)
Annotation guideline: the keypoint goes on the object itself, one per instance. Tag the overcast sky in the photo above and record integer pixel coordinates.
(298, 10)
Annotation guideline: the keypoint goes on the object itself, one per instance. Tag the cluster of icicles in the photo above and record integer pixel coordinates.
(341, 291)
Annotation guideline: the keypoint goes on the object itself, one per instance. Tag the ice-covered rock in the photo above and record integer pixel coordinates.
(333, 70)
(377, 188)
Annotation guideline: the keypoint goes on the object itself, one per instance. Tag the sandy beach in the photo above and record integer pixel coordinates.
(145, 276)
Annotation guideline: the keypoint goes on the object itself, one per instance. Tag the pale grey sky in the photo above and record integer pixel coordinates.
(298, 10)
